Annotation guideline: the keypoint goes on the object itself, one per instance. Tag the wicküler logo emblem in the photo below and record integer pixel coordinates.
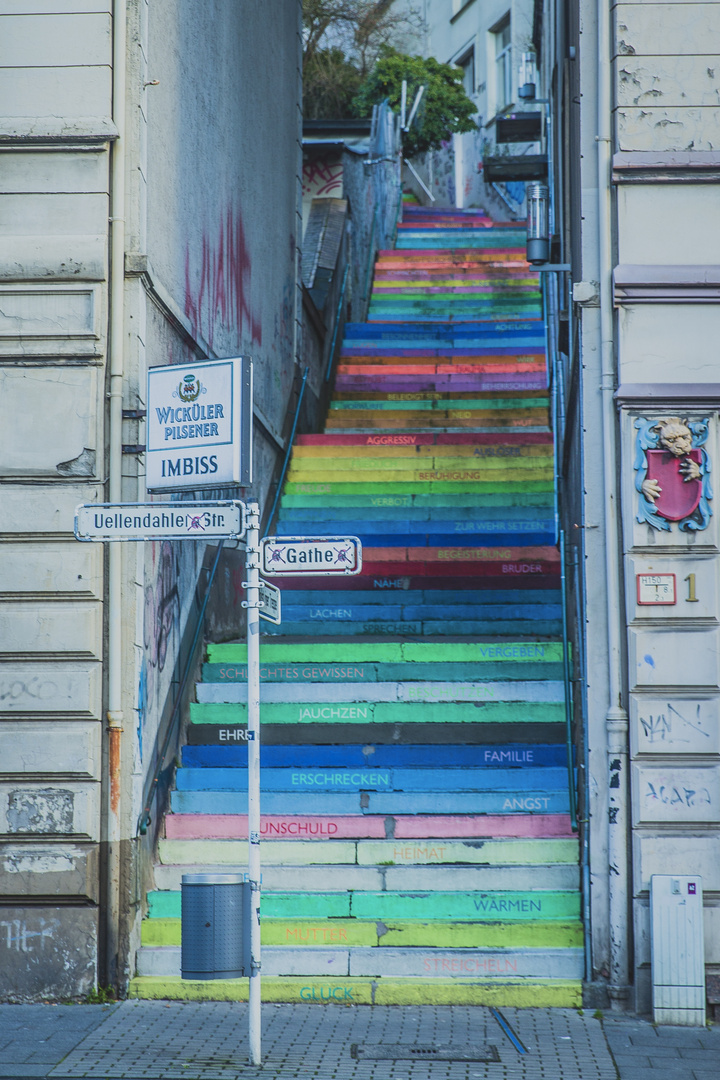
(190, 388)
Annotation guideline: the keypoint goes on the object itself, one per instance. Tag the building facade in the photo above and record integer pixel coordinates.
(150, 215)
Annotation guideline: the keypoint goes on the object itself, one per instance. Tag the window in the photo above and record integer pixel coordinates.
(467, 63)
(503, 65)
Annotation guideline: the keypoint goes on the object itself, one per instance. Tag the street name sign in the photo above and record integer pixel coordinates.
(314, 556)
(270, 602)
(199, 425)
(160, 521)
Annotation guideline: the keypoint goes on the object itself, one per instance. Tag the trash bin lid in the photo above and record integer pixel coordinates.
(213, 879)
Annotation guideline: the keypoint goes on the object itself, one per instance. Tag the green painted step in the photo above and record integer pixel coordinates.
(384, 712)
(358, 990)
(280, 671)
(540, 905)
(354, 932)
(392, 652)
(416, 487)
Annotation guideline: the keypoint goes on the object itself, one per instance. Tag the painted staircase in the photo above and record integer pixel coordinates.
(417, 843)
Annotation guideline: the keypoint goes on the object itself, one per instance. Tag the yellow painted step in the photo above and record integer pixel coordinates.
(517, 993)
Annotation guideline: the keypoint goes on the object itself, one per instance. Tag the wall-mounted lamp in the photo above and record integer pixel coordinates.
(527, 77)
(538, 223)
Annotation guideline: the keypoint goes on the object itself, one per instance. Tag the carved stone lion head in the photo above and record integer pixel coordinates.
(674, 435)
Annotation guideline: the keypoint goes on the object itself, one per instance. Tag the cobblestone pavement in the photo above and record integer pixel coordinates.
(160, 1040)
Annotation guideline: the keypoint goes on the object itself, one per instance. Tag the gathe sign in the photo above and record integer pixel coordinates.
(199, 425)
(160, 521)
(292, 556)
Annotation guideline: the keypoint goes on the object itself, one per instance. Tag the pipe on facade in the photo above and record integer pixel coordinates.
(616, 719)
(114, 620)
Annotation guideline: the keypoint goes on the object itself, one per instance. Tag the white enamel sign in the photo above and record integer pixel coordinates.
(292, 556)
(160, 521)
(655, 588)
(199, 425)
(271, 603)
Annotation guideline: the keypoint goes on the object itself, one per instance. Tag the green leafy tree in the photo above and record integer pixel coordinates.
(445, 107)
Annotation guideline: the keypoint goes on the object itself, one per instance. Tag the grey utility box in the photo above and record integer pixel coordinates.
(215, 926)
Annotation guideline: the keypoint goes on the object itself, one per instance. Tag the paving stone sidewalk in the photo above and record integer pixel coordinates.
(158, 1040)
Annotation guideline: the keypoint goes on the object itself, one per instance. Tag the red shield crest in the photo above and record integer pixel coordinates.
(678, 497)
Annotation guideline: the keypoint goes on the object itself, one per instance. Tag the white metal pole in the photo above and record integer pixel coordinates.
(252, 574)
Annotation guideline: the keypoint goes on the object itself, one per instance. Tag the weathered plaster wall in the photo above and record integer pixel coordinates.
(55, 119)
(212, 224)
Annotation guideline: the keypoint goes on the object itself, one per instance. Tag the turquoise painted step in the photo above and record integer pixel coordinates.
(419, 514)
(371, 802)
(435, 503)
(541, 905)
(373, 778)
(384, 712)
(282, 671)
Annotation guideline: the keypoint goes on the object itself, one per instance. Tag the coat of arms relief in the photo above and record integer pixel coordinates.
(672, 473)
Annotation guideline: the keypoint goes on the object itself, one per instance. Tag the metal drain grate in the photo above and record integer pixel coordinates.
(424, 1051)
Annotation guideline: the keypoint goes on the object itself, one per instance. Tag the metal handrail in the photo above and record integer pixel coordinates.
(568, 700)
(145, 817)
(337, 322)
(288, 451)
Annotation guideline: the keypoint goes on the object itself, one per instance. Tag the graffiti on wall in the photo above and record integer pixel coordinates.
(218, 290)
(162, 618)
(322, 177)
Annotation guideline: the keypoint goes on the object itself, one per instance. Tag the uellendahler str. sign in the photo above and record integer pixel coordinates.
(199, 425)
(160, 521)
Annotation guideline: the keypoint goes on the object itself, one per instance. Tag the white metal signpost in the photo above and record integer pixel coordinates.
(199, 425)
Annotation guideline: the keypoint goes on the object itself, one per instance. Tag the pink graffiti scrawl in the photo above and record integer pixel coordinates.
(220, 294)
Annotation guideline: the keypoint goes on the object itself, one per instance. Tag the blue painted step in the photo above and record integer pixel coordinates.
(420, 596)
(528, 755)
(540, 628)
(540, 801)
(372, 778)
(386, 538)
(389, 608)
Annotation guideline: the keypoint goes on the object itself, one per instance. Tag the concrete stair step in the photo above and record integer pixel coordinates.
(368, 879)
(446, 852)
(380, 963)
(535, 690)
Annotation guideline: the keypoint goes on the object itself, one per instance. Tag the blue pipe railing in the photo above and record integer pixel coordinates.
(337, 323)
(568, 688)
(145, 818)
(288, 452)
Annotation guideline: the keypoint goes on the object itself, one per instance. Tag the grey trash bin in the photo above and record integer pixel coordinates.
(215, 929)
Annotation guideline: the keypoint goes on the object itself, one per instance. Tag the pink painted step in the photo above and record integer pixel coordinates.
(359, 826)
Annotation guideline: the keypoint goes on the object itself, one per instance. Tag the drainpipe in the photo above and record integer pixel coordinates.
(616, 719)
(114, 649)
